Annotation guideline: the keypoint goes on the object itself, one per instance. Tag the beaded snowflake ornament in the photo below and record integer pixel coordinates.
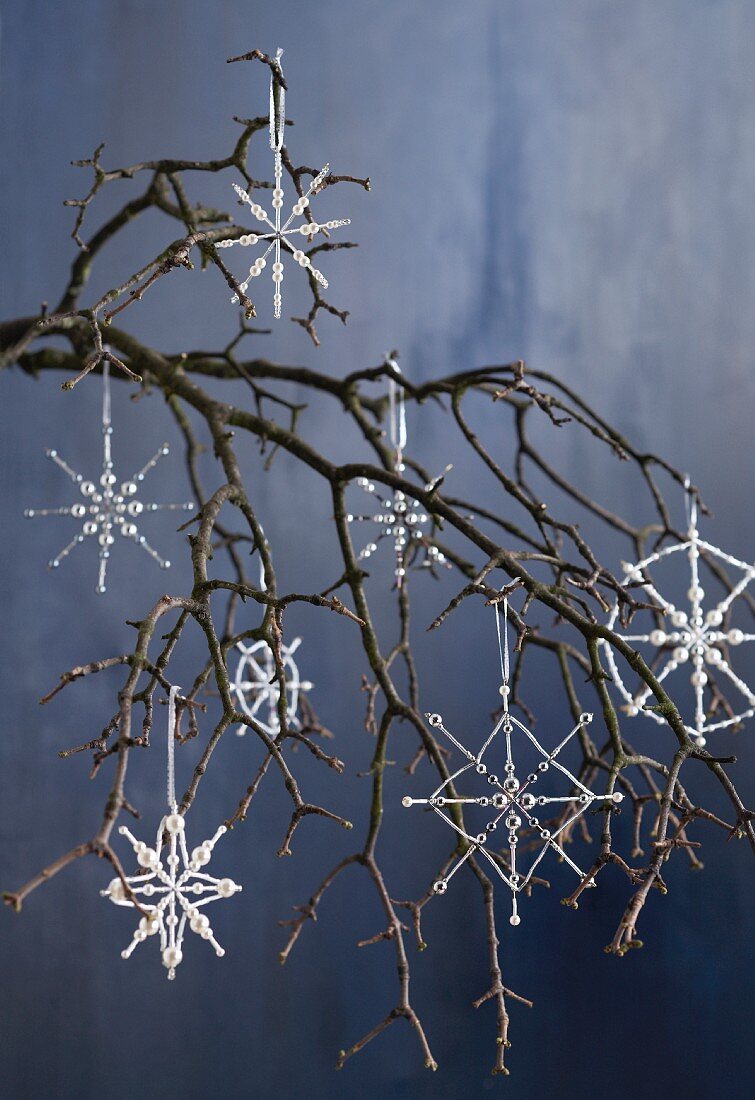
(257, 688)
(107, 509)
(512, 800)
(400, 518)
(171, 892)
(695, 638)
(279, 231)
(256, 685)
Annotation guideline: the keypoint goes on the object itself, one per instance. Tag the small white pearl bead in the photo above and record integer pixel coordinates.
(147, 857)
(116, 891)
(680, 655)
(199, 923)
(227, 887)
(658, 637)
(735, 637)
(174, 823)
(150, 925)
(172, 957)
(515, 919)
(201, 855)
(695, 594)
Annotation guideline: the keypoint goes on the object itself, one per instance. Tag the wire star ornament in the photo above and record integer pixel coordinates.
(512, 799)
(401, 518)
(279, 232)
(106, 508)
(173, 892)
(257, 689)
(695, 638)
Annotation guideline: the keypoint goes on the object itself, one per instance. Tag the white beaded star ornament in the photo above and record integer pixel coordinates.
(401, 518)
(107, 509)
(257, 689)
(172, 893)
(279, 231)
(256, 686)
(694, 638)
(512, 799)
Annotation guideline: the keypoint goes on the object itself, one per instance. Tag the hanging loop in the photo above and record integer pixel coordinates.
(396, 412)
(690, 503)
(105, 393)
(172, 804)
(503, 650)
(263, 585)
(277, 107)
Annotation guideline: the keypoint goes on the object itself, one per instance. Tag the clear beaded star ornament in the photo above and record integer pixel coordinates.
(281, 236)
(106, 509)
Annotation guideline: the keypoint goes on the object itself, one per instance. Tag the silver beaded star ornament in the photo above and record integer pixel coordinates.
(256, 686)
(107, 509)
(172, 893)
(401, 518)
(280, 231)
(512, 800)
(694, 638)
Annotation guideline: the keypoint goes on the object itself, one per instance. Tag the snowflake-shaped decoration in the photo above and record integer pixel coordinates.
(696, 637)
(257, 689)
(401, 520)
(170, 896)
(513, 800)
(280, 232)
(106, 508)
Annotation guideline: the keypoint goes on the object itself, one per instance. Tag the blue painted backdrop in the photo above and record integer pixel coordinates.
(568, 182)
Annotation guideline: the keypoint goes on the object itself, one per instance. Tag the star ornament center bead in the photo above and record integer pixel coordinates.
(173, 893)
(514, 800)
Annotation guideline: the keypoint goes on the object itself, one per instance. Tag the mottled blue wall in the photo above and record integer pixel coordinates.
(567, 182)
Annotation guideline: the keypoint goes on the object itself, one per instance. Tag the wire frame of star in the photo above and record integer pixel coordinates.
(512, 801)
(256, 686)
(698, 639)
(280, 236)
(107, 509)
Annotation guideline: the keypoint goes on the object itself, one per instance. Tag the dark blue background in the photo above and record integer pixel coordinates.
(568, 182)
